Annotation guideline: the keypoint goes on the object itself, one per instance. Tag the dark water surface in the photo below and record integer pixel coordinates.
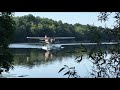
(30, 61)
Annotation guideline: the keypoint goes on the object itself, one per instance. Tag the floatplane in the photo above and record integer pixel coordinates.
(49, 40)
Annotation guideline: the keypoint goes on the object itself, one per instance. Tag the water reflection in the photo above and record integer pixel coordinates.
(105, 61)
(31, 57)
(6, 61)
(48, 55)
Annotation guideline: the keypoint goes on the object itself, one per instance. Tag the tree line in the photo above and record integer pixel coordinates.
(31, 26)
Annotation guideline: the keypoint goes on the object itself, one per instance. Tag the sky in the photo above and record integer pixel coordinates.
(83, 18)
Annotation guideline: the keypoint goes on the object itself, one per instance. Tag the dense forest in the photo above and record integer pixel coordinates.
(32, 26)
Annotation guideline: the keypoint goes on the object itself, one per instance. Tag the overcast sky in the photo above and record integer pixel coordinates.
(72, 17)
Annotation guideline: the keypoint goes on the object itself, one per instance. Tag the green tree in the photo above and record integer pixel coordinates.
(7, 28)
(29, 25)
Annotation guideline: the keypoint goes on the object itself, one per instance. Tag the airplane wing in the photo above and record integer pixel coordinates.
(43, 38)
(40, 38)
(63, 37)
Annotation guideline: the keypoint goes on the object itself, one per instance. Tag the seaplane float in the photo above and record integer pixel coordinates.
(49, 42)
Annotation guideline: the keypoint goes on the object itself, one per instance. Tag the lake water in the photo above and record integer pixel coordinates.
(30, 61)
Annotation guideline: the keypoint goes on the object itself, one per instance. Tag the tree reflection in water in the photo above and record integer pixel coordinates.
(31, 57)
(105, 59)
(6, 60)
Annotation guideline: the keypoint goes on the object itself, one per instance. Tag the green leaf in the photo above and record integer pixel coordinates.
(66, 73)
(65, 66)
(72, 68)
(77, 57)
(61, 69)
